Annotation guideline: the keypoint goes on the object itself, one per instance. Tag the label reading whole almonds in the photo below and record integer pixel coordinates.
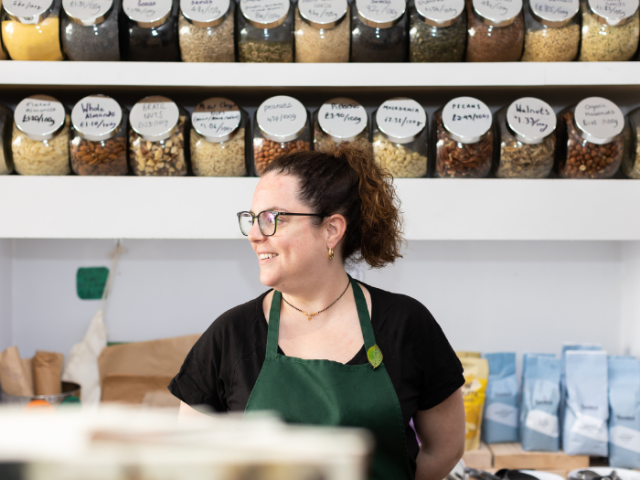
(204, 11)
(264, 11)
(216, 118)
(154, 117)
(440, 10)
(531, 119)
(27, 8)
(600, 119)
(96, 117)
(614, 11)
(39, 116)
(381, 11)
(281, 118)
(342, 118)
(555, 10)
(86, 9)
(322, 11)
(401, 118)
(497, 10)
(466, 117)
(146, 11)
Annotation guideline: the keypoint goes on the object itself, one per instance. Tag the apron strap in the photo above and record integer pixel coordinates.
(363, 315)
(274, 323)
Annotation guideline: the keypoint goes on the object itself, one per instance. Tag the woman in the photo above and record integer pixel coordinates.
(320, 348)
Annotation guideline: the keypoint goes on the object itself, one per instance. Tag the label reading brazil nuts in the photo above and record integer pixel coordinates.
(497, 10)
(204, 10)
(154, 117)
(26, 8)
(599, 119)
(342, 118)
(96, 117)
(381, 11)
(614, 11)
(39, 116)
(281, 118)
(531, 119)
(466, 118)
(216, 118)
(440, 10)
(555, 10)
(86, 9)
(146, 11)
(401, 118)
(264, 11)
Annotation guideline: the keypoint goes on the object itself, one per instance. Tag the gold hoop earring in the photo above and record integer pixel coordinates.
(330, 253)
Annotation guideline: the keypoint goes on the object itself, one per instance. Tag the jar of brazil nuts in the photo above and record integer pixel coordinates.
(400, 137)
(207, 30)
(496, 30)
(90, 30)
(6, 125)
(464, 139)
(152, 30)
(156, 138)
(379, 34)
(265, 31)
(437, 31)
(631, 161)
(31, 29)
(610, 30)
(552, 30)
(281, 127)
(322, 31)
(340, 120)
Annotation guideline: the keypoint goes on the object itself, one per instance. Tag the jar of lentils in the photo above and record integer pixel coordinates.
(437, 31)
(340, 120)
(552, 30)
(379, 32)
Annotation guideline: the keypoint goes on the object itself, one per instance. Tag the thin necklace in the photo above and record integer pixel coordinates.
(309, 315)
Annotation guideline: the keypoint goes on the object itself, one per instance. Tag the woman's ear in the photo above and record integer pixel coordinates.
(336, 228)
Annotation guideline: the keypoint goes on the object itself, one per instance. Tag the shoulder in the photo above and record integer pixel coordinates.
(399, 307)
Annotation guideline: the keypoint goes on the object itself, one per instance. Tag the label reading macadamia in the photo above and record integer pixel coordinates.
(154, 117)
(39, 116)
(381, 11)
(322, 12)
(555, 10)
(96, 117)
(342, 118)
(86, 9)
(26, 8)
(440, 10)
(146, 11)
(497, 10)
(264, 11)
(600, 119)
(216, 118)
(281, 118)
(401, 118)
(531, 119)
(204, 10)
(614, 11)
(466, 117)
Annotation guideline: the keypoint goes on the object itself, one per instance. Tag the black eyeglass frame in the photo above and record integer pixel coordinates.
(277, 215)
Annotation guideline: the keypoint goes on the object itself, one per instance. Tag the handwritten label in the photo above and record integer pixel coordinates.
(27, 8)
(401, 118)
(466, 118)
(322, 12)
(381, 11)
(531, 118)
(497, 10)
(264, 11)
(281, 118)
(146, 11)
(216, 118)
(204, 10)
(86, 9)
(555, 10)
(39, 115)
(96, 117)
(154, 116)
(440, 11)
(599, 118)
(614, 11)
(342, 118)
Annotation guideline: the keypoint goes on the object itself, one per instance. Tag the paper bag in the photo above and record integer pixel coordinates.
(123, 388)
(27, 366)
(13, 378)
(47, 372)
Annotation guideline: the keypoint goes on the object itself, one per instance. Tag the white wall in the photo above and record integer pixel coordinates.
(630, 331)
(5, 294)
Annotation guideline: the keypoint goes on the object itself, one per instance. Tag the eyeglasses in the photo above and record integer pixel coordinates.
(267, 221)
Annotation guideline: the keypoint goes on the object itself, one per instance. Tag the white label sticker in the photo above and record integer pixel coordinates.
(96, 116)
(26, 8)
(467, 117)
(440, 10)
(281, 117)
(542, 422)
(502, 413)
(599, 118)
(401, 118)
(204, 10)
(39, 115)
(555, 10)
(342, 118)
(87, 9)
(146, 11)
(154, 116)
(497, 10)
(322, 11)
(381, 11)
(531, 118)
(264, 11)
(216, 118)
(626, 438)
(591, 427)
(614, 11)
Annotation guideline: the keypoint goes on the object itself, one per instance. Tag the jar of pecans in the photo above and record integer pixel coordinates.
(496, 31)
(265, 31)
(631, 161)
(437, 31)
(340, 120)
(152, 30)
(610, 30)
(552, 30)
(379, 34)
(322, 31)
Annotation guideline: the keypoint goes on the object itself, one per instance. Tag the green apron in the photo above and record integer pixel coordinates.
(324, 392)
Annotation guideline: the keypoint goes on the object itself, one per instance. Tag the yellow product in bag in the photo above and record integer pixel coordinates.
(476, 375)
(469, 354)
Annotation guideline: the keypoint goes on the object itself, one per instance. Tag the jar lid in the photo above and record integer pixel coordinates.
(380, 13)
(40, 117)
(466, 119)
(342, 119)
(265, 13)
(96, 117)
(27, 12)
(599, 120)
(148, 13)
(281, 118)
(154, 118)
(216, 119)
(497, 13)
(401, 119)
(613, 12)
(87, 12)
(439, 13)
(323, 14)
(531, 120)
(205, 13)
(554, 13)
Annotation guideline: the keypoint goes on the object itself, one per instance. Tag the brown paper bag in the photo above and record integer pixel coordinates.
(27, 366)
(47, 372)
(131, 388)
(13, 378)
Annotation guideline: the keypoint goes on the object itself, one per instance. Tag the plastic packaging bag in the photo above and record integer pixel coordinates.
(501, 404)
(476, 373)
(624, 413)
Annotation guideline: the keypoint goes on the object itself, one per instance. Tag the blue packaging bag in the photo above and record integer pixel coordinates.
(624, 412)
(501, 402)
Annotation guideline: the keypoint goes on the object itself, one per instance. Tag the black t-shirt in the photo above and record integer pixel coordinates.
(223, 366)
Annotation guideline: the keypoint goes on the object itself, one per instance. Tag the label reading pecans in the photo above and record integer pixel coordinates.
(87, 9)
(204, 11)
(381, 11)
(342, 118)
(614, 11)
(467, 119)
(440, 11)
(555, 10)
(39, 116)
(322, 12)
(498, 10)
(599, 119)
(264, 11)
(401, 119)
(281, 118)
(531, 119)
(96, 117)
(146, 11)
(216, 119)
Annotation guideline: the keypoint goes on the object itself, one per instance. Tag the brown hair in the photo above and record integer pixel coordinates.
(347, 180)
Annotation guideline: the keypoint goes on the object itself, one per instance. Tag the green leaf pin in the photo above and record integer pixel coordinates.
(374, 354)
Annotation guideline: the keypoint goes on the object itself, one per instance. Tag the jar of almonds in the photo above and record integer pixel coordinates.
(340, 120)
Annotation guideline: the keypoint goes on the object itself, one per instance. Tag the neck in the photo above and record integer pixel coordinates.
(318, 291)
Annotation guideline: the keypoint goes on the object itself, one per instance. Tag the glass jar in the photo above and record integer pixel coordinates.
(265, 31)
(98, 137)
(218, 139)
(40, 143)
(207, 31)
(437, 31)
(31, 30)
(156, 138)
(591, 142)
(152, 34)
(610, 30)
(631, 161)
(526, 130)
(322, 33)
(90, 30)
(340, 120)
(281, 127)
(379, 34)
(464, 139)
(6, 125)
(3, 50)
(552, 31)
(496, 31)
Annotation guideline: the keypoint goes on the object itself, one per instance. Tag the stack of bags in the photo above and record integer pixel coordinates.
(26, 377)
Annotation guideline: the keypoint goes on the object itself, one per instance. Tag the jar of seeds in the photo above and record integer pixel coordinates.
(496, 31)
(218, 139)
(400, 137)
(40, 143)
(437, 31)
(6, 126)
(152, 30)
(206, 31)
(340, 120)
(379, 34)
(90, 30)
(591, 139)
(98, 137)
(526, 130)
(31, 30)
(281, 126)
(610, 30)
(464, 139)
(631, 161)
(552, 31)
(265, 31)
(322, 33)
(156, 138)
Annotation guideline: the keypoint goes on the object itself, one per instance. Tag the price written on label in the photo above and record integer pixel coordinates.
(87, 6)
(39, 112)
(205, 7)
(469, 112)
(264, 11)
(552, 8)
(403, 121)
(437, 6)
(382, 7)
(27, 6)
(217, 122)
(97, 117)
(542, 119)
(343, 116)
(144, 8)
(283, 117)
(600, 114)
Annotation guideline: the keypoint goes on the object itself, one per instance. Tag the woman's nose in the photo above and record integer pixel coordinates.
(255, 235)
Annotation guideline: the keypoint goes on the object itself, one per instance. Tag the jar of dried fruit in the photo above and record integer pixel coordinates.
(281, 126)
(90, 30)
(400, 137)
(40, 143)
(496, 31)
(207, 32)
(340, 120)
(437, 31)
(322, 31)
(156, 138)
(98, 137)
(218, 139)
(152, 30)
(610, 30)
(6, 126)
(464, 139)
(526, 130)
(552, 31)
(265, 31)
(631, 161)
(591, 140)
(379, 34)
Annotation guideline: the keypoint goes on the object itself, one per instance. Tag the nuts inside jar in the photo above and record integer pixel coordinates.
(99, 158)
(266, 151)
(161, 158)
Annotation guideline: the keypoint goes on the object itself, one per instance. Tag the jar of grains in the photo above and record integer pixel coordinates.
(156, 138)
(98, 137)
(281, 127)
(591, 139)
(218, 139)
(610, 30)
(206, 31)
(379, 34)
(340, 120)
(631, 161)
(437, 31)
(6, 126)
(526, 130)
(322, 31)
(90, 30)
(464, 139)
(31, 30)
(400, 138)
(152, 30)
(265, 31)
(40, 143)
(496, 30)
(552, 30)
